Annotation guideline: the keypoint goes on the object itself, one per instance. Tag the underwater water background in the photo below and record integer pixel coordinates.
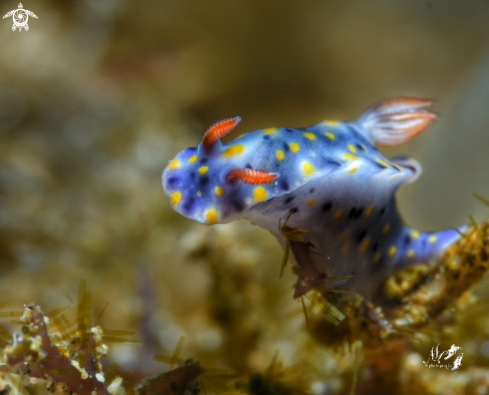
(97, 97)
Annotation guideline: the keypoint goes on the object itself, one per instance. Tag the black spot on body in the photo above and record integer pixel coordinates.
(332, 162)
(187, 206)
(293, 210)
(289, 199)
(375, 247)
(407, 239)
(289, 130)
(204, 160)
(248, 166)
(361, 147)
(204, 180)
(192, 175)
(266, 137)
(382, 212)
(382, 166)
(172, 180)
(311, 190)
(352, 213)
(358, 213)
(362, 235)
(286, 147)
(284, 185)
(327, 206)
(237, 205)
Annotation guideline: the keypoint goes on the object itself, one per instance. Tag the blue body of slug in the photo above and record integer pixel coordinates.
(332, 182)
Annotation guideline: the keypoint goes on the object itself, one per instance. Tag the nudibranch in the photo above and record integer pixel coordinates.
(328, 180)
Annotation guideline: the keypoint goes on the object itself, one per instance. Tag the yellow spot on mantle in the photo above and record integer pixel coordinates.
(410, 254)
(338, 214)
(311, 202)
(386, 228)
(346, 249)
(176, 198)
(369, 211)
(392, 251)
(382, 163)
(233, 151)
(350, 157)
(377, 257)
(354, 170)
(280, 155)
(352, 148)
(365, 245)
(308, 169)
(415, 234)
(192, 159)
(270, 130)
(310, 136)
(211, 216)
(330, 136)
(294, 147)
(203, 169)
(432, 239)
(259, 194)
(219, 191)
(332, 123)
(174, 164)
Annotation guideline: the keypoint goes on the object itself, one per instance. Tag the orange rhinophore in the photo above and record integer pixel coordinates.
(218, 131)
(250, 176)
